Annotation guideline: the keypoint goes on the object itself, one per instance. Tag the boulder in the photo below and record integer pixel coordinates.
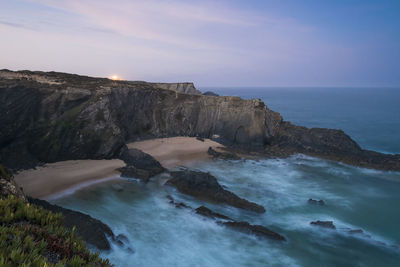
(139, 165)
(205, 186)
(327, 224)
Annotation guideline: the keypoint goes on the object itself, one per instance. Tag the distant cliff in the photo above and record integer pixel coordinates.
(186, 88)
(47, 117)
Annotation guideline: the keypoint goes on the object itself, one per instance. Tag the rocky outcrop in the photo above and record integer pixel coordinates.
(185, 88)
(222, 155)
(89, 229)
(258, 230)
(49, 116)
(209, 93)
(326, 224)
(204, 211)
(245, 227)
(139, 164)
(177, 204)
(8, 186)
(205, 186)
(329, 144)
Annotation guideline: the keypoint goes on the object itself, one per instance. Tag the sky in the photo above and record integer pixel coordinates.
(211, 43)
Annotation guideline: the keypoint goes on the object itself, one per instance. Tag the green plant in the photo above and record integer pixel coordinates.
(33, 236)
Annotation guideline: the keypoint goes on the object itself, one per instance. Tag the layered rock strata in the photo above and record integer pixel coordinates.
(49, 116)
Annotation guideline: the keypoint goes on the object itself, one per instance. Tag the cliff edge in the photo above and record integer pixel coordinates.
(49, 116)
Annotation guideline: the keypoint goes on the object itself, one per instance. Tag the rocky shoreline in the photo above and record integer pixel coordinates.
(56, 116)
(53, 116)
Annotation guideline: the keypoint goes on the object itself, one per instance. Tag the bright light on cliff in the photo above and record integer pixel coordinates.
(115, 78)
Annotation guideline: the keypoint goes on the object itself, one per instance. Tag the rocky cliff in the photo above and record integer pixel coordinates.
(186, 88)
(47, 117)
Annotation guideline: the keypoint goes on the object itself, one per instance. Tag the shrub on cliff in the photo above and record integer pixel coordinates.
(33, 236)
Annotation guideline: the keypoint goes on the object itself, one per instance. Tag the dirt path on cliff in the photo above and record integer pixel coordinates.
(176, 151)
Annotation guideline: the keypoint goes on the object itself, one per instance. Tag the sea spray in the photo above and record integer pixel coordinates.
(161, 235)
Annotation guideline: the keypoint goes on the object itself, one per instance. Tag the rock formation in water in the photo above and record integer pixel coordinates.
(205, 186)
(326, 224)
(204, 211)
(258, 230)
(49, 116)
(139, 164)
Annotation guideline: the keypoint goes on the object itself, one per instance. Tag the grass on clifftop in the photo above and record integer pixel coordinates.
(33, 236)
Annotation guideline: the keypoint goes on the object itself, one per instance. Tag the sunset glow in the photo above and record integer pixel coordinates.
(115, 78)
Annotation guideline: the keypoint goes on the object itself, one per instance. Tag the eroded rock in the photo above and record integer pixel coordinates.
(222, 155)
(326, 224)
(258, 230)
(202, 210)
(205, 186)
(139, 165)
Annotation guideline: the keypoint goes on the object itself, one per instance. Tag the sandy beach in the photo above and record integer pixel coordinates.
(53, 178)
(176, 151)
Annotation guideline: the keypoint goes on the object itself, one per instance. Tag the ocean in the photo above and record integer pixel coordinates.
(356, 198)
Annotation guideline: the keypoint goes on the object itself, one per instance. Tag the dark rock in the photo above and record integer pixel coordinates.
(209, 93)
(171, 199)
(222, 155)
(205, 186)
(200, 138)
(327, 224)
(177, 205)
(329, 144)
(91, 230)
(139, 165)
(202, 210)
(121, 240)
(316, 202)
(258, 230)
(356, 231)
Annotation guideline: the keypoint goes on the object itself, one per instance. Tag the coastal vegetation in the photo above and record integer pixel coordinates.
(33, 236)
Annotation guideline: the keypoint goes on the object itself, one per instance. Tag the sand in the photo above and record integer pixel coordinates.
(176, 151)
(53, 178)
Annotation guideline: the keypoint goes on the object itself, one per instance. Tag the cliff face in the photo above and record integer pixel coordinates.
(186, 88)
(47, 117)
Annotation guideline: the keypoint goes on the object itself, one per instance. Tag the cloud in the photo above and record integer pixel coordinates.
(209, 42)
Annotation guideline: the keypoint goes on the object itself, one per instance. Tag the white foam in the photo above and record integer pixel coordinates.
(74, 188)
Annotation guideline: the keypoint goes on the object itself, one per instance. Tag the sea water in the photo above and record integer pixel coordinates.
(355, 198)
